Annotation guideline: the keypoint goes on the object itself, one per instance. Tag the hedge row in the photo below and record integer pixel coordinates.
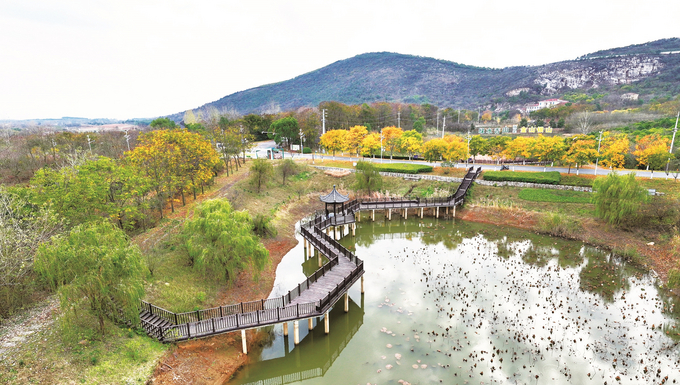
(406, 168)
(550, 177)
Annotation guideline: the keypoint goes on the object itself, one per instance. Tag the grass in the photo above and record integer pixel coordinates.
(577, 180)
(79, 355)
(505, 196)
(555, 196)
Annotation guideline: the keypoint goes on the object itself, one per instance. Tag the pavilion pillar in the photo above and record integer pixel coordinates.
(354, 229)
(285, 328)
(447, 210)
(296, 332)
(454, 211)
(243, 341)
(326, 323)
(346, 302)
(310, 323)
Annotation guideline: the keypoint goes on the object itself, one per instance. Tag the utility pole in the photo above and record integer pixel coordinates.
(598, 152)
(438, 119)
(670, 150)
(127, 139)
(399, 119)
(323, 121)
(443, 127)
(459, 116)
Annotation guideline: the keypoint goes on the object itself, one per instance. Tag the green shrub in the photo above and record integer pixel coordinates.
(631, 255)
(550, 177)
(557, 196)
(558, 225)
(306, 150)
(406, 168)
(262, 226)
(575, 180)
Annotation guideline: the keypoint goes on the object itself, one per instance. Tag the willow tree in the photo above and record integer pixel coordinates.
(260, 172)
(95, 263)
(367, 177)
(220, 241)
(617, 198)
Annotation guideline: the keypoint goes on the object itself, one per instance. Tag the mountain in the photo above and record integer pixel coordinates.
(650, 70)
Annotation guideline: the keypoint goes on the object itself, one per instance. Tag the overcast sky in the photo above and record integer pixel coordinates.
(126, 59)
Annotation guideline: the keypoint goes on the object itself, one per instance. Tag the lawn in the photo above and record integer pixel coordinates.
(555, 196)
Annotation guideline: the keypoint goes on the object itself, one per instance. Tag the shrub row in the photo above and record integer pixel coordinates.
(550, 177)
(406, 168)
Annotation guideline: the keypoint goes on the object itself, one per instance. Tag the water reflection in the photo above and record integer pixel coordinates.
(470, 303)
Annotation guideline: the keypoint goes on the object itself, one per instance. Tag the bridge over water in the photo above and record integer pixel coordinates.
(311, 298)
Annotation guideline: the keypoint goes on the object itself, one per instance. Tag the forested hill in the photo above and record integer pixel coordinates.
(642, 69)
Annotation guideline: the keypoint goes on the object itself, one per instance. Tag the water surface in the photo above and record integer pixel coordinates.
(466, 303)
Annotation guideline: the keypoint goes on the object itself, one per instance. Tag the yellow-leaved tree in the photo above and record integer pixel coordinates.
(410, 142)
(614, 149)
(370, 144)
(174, 161)
(391, 138)
(334, 141)
(652, 151)
(355, 138)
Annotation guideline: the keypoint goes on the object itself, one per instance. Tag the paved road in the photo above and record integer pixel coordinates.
(586, 171)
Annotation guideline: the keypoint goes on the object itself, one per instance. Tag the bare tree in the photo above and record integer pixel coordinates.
(584, 122)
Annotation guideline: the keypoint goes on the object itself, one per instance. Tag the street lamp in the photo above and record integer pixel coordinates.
(381, 147)
(598, 152)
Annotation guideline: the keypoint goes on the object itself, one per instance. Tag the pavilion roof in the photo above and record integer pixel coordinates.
(334, 197)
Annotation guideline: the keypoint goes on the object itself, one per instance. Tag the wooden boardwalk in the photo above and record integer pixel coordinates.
(311, 298)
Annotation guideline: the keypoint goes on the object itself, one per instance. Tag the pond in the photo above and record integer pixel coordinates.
(467, 303)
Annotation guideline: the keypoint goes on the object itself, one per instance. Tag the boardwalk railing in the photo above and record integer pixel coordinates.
(169, 326)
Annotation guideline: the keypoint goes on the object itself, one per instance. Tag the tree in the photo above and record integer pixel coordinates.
(391, 138)
(523, 122)
(455, 148)
(23, 228)
(581, 151)
(584, 122)
(617, 198)
(614, 149)
(96, 263)
(478, 146)
(334, 140)
(163, 123)
(434, 149)
(370, 144)
(419, 124)
(287, 167)
(548, 148)
(367, 177)
(220, 241)
(355, 138)
(174, 161)
(260, 171)
(410, 142)
(496, 146)
(521, 146)
(285, 130)
(652, 151)
(486, 116)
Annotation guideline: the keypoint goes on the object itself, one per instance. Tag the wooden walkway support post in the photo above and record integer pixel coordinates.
(405, 213)
(421, 212)
(326, 323)
(437, 212)
(362, 284)
(243, 341)
(346, 302)
(310, 323)
(285, 328)
(296, 332)
(373, 215)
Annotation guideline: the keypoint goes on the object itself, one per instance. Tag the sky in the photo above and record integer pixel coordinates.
(146, 58)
